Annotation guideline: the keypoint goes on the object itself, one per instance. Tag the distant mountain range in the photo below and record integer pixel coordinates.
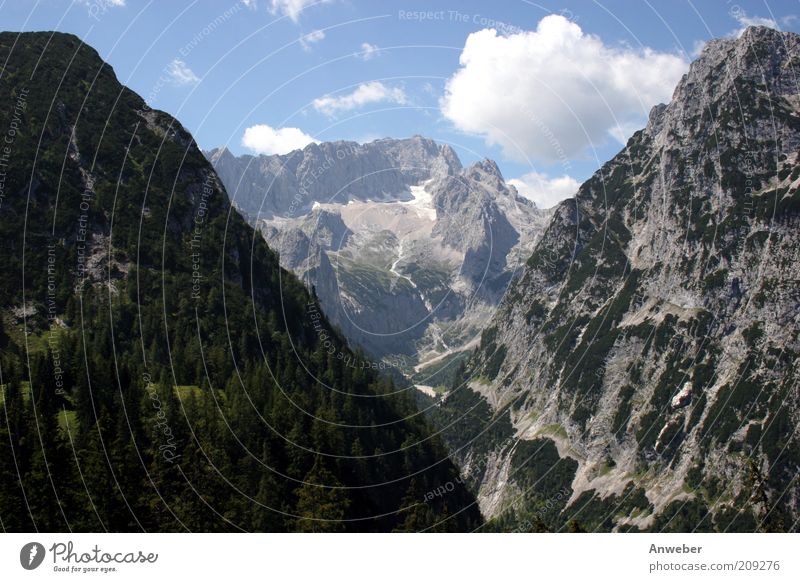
(409, 252)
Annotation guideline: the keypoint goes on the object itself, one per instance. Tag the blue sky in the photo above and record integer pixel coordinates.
(548, 89)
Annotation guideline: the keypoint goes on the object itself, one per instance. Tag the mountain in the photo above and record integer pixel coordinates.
(408, 251)
(159, 370)
(290, 184)
(642, 372)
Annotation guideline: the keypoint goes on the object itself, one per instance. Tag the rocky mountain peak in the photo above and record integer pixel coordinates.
(733, 73)
(485, 170)
(450, 157)
(415, 237)
(219, 154)
(327, 229)
(643, 336)
(337, 171)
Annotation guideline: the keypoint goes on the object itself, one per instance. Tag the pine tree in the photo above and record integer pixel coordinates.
(13, 505)
(418, 514)
(321, 506)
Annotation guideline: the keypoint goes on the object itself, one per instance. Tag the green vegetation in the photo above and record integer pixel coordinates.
(544, 482)
(468, 424)
(675, 517)
(442, 372)
(595, 513)
(622, 416)
(553, 430)
(492, 366)
(370, 280)
(222, 402)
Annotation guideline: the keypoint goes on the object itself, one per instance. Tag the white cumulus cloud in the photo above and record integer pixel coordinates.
(312, 37)
(549, 93)
(180, 73)
(292, 8)
(543, 190)
(263, 139)
(364, 94)
(368, 51)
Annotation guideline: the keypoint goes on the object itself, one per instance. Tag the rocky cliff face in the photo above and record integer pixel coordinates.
(409, 252)
(642, 372)
(331, 172)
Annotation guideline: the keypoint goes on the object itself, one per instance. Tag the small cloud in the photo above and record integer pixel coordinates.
(746, 21)
(364, 94)
(368, 51)
(311, 38)
(180, 74)
(103, 3)
(263, 139)
(697, 48)
(368, 137)
(98, 8)
(292, 8)
(427, 87)
(251, 4)
(543, 190)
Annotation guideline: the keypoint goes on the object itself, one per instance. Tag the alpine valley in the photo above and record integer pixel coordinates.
(637, 368)
(181, 329)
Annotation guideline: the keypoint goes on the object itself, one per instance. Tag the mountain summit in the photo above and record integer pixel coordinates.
(408, 251)
(330, 173)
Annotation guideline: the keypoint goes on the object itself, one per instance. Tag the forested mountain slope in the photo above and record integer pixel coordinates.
(160, 371)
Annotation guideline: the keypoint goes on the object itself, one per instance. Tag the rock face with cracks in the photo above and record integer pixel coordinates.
(646, 358)
(409, 252)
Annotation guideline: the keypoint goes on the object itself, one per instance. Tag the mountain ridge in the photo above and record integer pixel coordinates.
(160, 370)
(421, 237)
(381, 168)
(651, 339)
